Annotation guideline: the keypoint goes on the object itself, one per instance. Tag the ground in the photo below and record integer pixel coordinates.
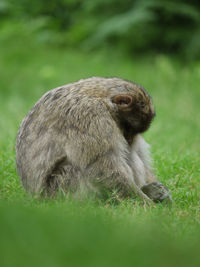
(64, 232)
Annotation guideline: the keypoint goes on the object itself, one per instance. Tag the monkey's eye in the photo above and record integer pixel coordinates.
(141, 104)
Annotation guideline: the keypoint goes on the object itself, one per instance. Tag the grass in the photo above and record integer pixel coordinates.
(67, 233)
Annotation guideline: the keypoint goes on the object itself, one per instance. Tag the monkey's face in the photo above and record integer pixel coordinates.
(135, 111)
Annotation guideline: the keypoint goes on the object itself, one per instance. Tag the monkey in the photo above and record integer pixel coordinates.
(86, 136)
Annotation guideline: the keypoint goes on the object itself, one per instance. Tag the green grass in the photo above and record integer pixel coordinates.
(67, 233)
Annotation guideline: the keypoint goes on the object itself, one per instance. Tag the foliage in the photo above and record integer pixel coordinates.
(138, 26)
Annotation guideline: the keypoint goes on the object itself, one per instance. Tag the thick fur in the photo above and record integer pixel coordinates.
(87, 135)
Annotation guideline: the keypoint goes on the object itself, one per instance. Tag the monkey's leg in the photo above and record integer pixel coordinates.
(144, 176)
(64, 177)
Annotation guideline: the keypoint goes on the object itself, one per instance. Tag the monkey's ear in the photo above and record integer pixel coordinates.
(122, 100)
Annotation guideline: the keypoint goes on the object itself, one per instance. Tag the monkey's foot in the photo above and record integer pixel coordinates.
(157, 192)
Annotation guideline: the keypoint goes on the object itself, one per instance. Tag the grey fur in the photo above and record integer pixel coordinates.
(81, 137)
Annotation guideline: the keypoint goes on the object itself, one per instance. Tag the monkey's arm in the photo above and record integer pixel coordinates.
(112, 172)
(142, 161)
(143, 172)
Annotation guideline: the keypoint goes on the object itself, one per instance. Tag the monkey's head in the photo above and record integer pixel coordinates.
(135, 111)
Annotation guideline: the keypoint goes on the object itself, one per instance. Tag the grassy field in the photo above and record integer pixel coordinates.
(67, 233)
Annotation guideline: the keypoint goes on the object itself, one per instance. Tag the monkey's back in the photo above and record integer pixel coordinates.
(69, 123)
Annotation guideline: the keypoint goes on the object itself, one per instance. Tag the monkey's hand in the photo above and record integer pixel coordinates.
(157, 192)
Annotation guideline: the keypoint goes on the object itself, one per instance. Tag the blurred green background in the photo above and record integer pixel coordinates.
(45, 44)
(133, 26)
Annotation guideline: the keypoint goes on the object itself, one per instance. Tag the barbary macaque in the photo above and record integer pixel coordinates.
(86, 136)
